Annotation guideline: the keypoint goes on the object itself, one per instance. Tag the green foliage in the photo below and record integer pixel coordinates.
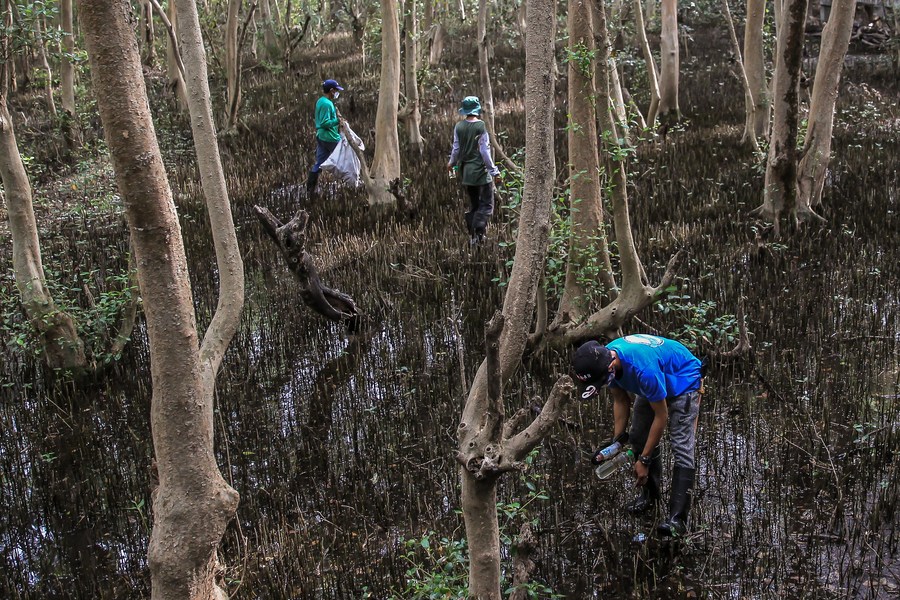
(438, 567)
(700, 326)
(582, 58)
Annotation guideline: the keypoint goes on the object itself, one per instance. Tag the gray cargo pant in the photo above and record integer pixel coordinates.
(683, 411)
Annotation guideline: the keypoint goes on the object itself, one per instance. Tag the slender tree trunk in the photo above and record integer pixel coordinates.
(386, 163)
(749, 105)
(780, 194)
(413, 115)
(270, 39)
(669, 62)
(174, 65)
(652, 73)
(71, 129)
(587, 243)
(45, 65)
(62, 347)
(147, 33)
(817, 146)
(760, 108)
(232, 64)
(487, 446)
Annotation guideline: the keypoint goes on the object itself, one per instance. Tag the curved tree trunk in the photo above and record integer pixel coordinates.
(817, 146)
(780, 193)
(147, 33)
(45, 65)
(413, 115)
(669, 62)
(386, 163)
(588, 248)
(759, 107)
(652, 73)
(62, 347)
(487, 445)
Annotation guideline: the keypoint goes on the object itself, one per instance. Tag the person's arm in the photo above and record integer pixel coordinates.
(326, 116)
(454, 151)
(660, 420)
(621, 410)
(484, 147)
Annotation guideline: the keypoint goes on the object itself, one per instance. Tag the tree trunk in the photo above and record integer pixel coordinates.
(411, 110)
(481, 426)
(62, 347)
(780, 193)
(588, 250)
(174, 66)
(232, 64)
(749, 104)
(270, 39)
(487, 91)
(192, 504)
(147, 33)
(759, 107)
(67, 75)
(45, 65)
(652, 73)
(817, 146)
(669, 63)
(386, 163)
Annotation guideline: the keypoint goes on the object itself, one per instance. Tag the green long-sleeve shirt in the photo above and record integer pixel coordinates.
(327, 120)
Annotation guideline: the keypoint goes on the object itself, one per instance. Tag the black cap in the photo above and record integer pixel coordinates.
(590, 368)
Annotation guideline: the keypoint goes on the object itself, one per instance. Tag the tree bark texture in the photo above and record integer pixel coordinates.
(148, 35)
(587, 243)
(481, 426)
(780, 194)
(760, 109)
(270, 39)
(174, 64)
(413, 114)
(193, 503)
(386, 162)
(45, 65)
(749, 105)
(817, 145)
(232, 64)
(652, 73)
(669, 62)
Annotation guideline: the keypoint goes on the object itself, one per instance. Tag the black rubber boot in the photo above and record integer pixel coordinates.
(679, 503)
(649, 496)
(311, 182)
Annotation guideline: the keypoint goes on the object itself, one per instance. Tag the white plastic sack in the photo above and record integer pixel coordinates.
(343, 162)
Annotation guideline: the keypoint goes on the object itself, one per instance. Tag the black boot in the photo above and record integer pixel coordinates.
(679, 503)
(649, 496)
(311, 182)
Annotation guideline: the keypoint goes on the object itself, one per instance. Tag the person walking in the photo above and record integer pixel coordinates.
(666, 381)
(471, 155)
(327, 134)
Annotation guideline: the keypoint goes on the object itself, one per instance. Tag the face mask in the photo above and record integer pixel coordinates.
(336, 94)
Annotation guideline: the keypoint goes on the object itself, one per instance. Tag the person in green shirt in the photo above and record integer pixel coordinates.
(471, 154)
(327, 134)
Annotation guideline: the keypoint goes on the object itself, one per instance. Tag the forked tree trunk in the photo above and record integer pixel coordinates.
(652, 73)
(760, 108)
(386, 162)
(588, 247)
(817, 146)
(62, 347)
(669, 62)
(780, 193)
(487, 91)
(635, 293)
(412, 114)
(174, 64)
(617, 97)
(147, 33)
(749, 104)
(488, 446)
(193, 503)
(232, 64)
(270, 39)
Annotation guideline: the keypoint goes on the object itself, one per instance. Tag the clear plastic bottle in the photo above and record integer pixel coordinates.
(608, 467)
(611, 450)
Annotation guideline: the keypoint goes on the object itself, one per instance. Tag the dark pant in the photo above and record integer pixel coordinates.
(323, 151)
(481, 207)
(683, 411)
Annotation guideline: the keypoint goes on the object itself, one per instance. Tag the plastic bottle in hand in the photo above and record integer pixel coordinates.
(609, 467)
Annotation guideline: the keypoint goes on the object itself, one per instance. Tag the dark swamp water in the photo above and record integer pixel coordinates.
(341, 448)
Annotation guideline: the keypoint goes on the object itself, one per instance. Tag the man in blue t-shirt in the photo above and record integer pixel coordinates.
(327, 134)
(665, 380)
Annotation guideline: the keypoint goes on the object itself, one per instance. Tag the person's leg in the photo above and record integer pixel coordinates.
(683, 413)
(484, 210)
(323, 151)
(641, 420)
(473, 192)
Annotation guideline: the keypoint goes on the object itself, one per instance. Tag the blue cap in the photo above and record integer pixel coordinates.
(330, 84)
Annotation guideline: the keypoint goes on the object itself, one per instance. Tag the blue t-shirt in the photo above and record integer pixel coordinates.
(655, 367)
